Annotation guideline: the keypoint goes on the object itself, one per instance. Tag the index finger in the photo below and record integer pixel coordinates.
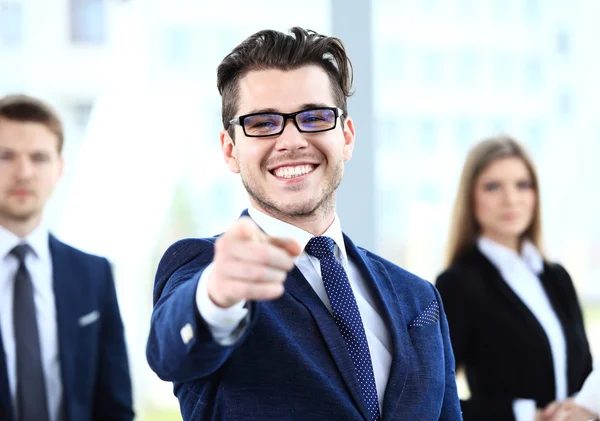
(246, 229)
(260, 253)
(289, 245)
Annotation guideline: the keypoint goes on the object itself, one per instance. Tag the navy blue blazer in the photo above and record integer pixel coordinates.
(292, 362)
(93, 357)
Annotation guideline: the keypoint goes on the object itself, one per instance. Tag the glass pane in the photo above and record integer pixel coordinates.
(88, 21)
(11, 23)
(149, 170)
(476, 69)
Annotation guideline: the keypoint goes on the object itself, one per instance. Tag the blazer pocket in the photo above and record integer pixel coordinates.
(425, 334)
(88, 319)
(429, 316)
(427, 362)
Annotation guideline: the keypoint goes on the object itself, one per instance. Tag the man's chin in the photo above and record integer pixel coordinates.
(299, 210)
(292, 208)
(20, 215)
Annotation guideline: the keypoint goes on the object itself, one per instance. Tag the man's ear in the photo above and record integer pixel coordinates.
(348, 138)
(228, 148)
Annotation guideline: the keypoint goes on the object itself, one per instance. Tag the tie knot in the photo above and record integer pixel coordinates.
(20, 252)
(320, 247)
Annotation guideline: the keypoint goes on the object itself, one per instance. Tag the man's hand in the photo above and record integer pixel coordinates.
(250, 265)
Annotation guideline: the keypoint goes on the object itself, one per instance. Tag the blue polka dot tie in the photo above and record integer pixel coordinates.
(347, 318)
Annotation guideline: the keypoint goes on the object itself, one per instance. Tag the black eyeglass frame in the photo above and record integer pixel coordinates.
(338, 112)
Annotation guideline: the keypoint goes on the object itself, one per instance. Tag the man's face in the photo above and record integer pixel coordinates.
(293, 174)
(30, 166)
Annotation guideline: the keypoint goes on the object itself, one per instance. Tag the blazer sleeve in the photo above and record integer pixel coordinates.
(589, 396)
(451, 410)
(457, 304)
(113, 395)
(457, 309)
(180, 347)
(570, 292)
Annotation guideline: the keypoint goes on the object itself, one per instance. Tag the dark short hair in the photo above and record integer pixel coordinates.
(25, 108)
(269, 49)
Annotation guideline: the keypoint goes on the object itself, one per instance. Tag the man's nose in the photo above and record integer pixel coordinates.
(291, 138)
(24, 167)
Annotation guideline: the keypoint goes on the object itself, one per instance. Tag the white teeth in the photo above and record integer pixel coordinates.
(291, 172)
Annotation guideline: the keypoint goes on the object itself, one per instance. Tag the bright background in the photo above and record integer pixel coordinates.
(135, 82)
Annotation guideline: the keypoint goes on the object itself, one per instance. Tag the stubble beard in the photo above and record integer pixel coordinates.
(20, 216)
(324, 205)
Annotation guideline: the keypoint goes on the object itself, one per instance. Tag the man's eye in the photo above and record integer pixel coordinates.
(40, 158)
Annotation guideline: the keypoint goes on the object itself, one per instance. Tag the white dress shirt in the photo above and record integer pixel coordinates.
(223, 322)
(520, 272)
(589, 395)
(39, 265)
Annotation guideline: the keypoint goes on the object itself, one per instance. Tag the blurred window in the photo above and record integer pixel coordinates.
(11, 23)
(88, 21)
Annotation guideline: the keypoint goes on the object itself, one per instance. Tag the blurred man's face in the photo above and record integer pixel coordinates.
(30, 166)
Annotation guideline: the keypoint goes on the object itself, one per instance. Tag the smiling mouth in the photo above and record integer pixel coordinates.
(293, 171)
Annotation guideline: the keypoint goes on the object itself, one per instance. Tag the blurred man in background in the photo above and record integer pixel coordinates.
(62, 348)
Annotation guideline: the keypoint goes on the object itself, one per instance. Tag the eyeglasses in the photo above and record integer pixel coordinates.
(312, 120)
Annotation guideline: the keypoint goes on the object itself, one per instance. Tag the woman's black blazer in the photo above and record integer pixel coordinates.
(499, 342)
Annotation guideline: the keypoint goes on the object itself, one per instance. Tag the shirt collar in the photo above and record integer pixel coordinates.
(37, 240)
(505, 258)
(275, 227)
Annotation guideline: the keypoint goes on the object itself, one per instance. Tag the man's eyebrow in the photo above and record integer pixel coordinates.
(263, 110)
(314, 105)
(300, 108)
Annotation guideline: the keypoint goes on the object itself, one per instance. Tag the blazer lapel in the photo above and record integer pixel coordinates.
(551, 282)
(375, 276)
(68, 302)
(5, 396)
(299, 288)
(297, 285)
(495, 279)
(390, 309)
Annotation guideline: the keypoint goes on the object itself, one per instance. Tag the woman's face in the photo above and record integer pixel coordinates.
(505, 200)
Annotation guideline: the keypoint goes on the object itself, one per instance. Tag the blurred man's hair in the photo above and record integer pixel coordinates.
(27, 109)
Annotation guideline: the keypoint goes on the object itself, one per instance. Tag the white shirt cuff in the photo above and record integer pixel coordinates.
(524, 409)
(223, 323)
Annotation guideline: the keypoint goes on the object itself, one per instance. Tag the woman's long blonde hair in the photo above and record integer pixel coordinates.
(464, 229)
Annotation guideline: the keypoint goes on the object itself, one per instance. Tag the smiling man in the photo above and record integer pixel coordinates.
(283, 317)
(62, 347)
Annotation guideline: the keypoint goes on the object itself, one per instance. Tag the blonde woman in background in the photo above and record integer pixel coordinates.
(515, 321)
